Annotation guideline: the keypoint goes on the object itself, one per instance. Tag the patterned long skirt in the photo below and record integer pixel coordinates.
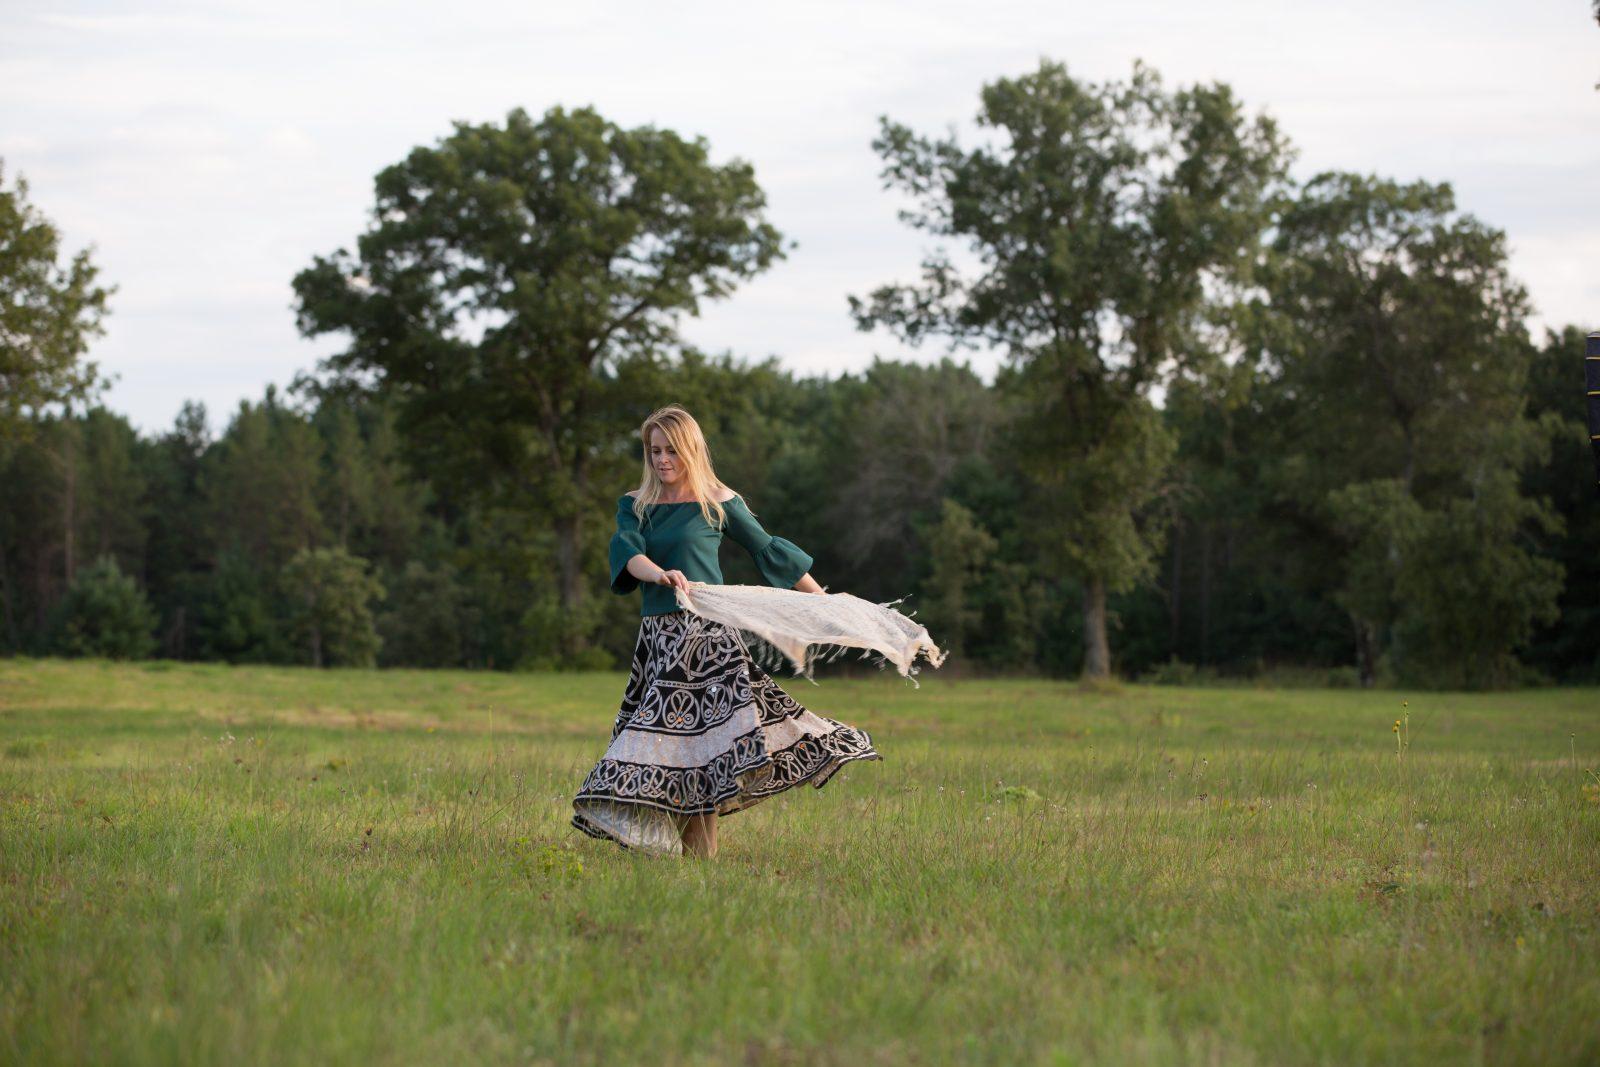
(703, 728)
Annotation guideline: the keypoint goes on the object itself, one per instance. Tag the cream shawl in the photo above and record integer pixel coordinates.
(794, 623)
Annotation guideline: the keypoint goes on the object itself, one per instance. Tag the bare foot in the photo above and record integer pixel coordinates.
(700, 835)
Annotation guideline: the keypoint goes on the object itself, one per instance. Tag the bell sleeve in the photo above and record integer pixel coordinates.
(626, 543)
(781, 562)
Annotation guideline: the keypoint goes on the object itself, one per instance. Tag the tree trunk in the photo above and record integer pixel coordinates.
(1366, 651)
(1205, 592)
(177, 647)
(1096, 650)
(69, 503)
(1175, 592)
(314, 631)
(569, 546)
(1408, 473)
(569, 530)
(43, 586)
(13, 644)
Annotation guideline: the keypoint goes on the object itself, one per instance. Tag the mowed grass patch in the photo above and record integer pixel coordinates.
(258, 865)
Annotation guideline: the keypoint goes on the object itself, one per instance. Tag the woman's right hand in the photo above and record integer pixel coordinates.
(674, 578)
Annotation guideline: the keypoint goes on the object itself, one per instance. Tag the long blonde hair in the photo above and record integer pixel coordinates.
(694, 460)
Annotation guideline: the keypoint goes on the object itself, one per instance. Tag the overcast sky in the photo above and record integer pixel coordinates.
(207, 151)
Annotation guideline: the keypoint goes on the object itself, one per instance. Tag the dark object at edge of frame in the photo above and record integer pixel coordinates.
(1591, 376)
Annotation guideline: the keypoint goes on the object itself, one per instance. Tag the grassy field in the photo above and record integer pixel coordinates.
(202, 864)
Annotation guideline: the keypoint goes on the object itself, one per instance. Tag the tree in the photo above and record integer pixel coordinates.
(110, 516)
(1246, 578)
(48, 315)
(105, 614)
(514, 293)
(177, 548)
(330, 595)
(236, 620)
(1380, 522)
(374, 505)
(1103, 226)
(902, 430)
(347, 474)
(1595, 8)
(1474, 594)
(396, 512)
(1569, 648)
(259, 482)
(959, 551)
(425, 618)
(1397, 347)
(1394, 329)
(31, 530)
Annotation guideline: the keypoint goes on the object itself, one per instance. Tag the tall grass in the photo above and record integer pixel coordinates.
(261, 865)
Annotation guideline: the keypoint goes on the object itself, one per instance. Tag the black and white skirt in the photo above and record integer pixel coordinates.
(703, 728)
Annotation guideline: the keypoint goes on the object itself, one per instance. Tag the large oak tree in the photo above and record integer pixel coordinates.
(519, 290)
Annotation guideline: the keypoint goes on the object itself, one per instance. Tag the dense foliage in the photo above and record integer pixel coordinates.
(1247, 580)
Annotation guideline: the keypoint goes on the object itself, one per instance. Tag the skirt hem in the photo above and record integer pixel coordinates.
(817, 778)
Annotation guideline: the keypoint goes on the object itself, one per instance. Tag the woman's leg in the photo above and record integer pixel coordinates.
(691, 835)
(700, 835)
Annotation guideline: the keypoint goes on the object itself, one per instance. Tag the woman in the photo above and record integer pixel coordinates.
(703, 731)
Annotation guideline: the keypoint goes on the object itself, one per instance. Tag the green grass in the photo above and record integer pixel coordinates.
(202, 864)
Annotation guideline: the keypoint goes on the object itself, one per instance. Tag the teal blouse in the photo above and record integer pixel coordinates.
(677, 537)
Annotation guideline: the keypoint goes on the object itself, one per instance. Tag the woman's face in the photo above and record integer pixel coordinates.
(664, 458)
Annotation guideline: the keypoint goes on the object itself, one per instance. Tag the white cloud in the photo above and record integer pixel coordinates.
(145, 22)
(249, 25)
(22, 144)
(291, 141)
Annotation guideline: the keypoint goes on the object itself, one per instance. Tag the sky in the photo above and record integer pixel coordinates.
(205, 152)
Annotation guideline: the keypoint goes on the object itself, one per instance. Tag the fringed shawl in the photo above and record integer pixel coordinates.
(794, 623)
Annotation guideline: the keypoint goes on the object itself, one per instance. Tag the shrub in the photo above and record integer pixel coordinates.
(104, 614)
(331, 593)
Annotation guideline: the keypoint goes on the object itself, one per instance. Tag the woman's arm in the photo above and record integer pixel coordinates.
(808, 584)
(641, 568)
(782, 563)
(644, 570)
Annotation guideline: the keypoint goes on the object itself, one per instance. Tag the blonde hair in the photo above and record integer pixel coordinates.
(694, 460)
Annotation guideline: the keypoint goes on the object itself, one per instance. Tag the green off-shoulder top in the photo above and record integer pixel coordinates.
(676, 537)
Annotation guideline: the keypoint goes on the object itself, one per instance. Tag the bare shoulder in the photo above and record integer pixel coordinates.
(724, 494)
(633, 493)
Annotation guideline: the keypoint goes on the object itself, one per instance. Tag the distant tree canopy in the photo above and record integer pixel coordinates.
(1246, 426)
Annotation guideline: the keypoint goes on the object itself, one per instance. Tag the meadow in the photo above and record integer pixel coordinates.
(205, 864)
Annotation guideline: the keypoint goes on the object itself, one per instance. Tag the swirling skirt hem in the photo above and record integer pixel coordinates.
(652, 826)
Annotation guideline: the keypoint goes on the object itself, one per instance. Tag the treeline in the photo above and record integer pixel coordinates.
(1244, 425)
(895, 479)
